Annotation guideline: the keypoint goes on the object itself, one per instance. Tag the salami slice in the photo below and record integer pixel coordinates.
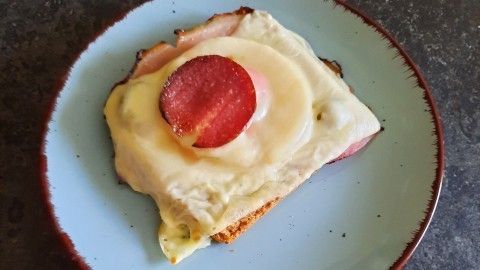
(208, 100)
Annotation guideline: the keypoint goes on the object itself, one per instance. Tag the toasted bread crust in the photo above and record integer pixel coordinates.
(229, 234)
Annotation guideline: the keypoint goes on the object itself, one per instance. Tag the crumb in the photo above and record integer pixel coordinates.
(358, 182)
(330, 230)
(77, 156)
(173, 11)
(382, 129)
(344, 234)
(131, 226)
(231, 250)
(379, 215)
(401, 165)
(383, 120)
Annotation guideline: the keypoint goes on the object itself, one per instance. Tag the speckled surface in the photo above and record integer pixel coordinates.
(40, 39)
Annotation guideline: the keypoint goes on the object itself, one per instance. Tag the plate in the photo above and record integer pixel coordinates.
(367, 212)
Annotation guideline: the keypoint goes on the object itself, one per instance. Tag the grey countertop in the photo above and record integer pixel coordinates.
(40, 39)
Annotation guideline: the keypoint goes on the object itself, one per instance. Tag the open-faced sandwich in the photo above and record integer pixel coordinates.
(221, 127)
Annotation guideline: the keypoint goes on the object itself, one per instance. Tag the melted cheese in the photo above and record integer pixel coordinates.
(201, 191)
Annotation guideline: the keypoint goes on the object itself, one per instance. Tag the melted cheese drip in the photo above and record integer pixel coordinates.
(201, 191)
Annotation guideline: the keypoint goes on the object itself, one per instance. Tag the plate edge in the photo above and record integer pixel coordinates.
(438, 130)
(42, 162)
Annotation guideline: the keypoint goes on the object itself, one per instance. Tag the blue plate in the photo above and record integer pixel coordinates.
(366, 212)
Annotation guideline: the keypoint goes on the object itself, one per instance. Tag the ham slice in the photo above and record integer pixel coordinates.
(352, 149)
(218, 25)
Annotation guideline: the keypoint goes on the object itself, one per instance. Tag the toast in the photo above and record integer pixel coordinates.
(150, 60)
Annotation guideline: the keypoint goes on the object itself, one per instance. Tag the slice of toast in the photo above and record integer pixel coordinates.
(218, 25)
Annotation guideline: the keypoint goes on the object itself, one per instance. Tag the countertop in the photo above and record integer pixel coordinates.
(40, 39)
